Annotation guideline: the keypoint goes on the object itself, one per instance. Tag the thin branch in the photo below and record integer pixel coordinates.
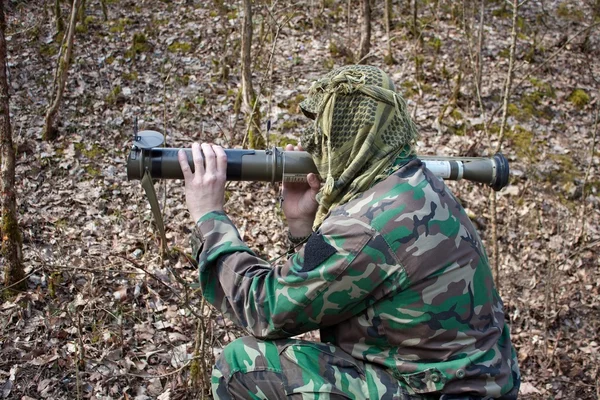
(507, 91)
(20, 280)
(587, 174)
(259, 95)
(138, 266)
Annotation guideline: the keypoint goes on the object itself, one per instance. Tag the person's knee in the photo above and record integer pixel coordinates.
(248, 368)
(240, 354)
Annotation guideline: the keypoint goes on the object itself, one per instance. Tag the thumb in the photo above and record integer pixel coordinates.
(313, 182)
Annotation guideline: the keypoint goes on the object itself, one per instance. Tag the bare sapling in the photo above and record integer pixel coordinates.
(389, 58)
(60, 78)
(365, 33)
(249, 99)
(500, 139)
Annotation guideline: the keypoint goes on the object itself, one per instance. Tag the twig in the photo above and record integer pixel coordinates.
(258, 96)
(166, 374)
(20, 280)
(185, 303)
(546, 61)
(556, 53)
(587, 174)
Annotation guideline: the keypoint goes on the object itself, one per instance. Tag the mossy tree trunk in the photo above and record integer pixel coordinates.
(415, 19)
(249, 99)
(60, 78)
(9, 230)
(60, 25)
(365, 32)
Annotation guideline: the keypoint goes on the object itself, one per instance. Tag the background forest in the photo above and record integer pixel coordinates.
(101, 313)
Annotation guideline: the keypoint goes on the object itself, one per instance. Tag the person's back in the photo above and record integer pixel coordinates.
(436, 322)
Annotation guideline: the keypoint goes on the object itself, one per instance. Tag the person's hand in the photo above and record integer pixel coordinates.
(299, 202)
(205, 187)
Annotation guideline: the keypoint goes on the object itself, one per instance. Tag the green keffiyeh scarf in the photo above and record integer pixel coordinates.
(361, 126)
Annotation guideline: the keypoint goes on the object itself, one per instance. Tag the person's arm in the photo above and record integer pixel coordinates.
(338, 273)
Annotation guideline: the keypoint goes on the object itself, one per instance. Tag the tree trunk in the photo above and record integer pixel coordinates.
(365, 33)
(249, 101)
(60, 25)
(60, 79)
(389, 58)
(478, 55)
(104, 9)
(415, 21)
(9, 230)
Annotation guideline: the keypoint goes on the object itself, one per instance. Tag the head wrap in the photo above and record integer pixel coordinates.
(361, 126)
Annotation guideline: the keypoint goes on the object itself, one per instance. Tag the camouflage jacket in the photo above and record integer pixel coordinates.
(398, 276)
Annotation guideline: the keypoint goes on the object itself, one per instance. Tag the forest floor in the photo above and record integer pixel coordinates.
(106, 316)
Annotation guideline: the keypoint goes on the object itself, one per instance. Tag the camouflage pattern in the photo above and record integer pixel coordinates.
(397, 278)
(250, 368)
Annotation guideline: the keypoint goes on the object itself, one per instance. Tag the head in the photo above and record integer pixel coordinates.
(360, 127)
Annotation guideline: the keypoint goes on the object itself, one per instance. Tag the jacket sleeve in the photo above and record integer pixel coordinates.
(341, 270)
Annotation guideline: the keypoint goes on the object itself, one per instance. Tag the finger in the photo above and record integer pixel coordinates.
(221, 159)
(210, 163)
(185, 166)
(289, 147)
(198, 161)
(300, 147)
(313, 182)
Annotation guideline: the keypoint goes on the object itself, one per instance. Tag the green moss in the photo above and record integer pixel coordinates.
(94, 151)
(328, 64)
(292, 104)
(531, 104)
(233, 14)
(113, 95)
(119, 25)
(180, 47)
(159, 21)
(92, 171)
(48, 50)
(522, 141)
(81, 28)
(545, 88)
(502, 12)
(409, 88)
(457, 115)
(338, 50)
(130, 76)
(90, 19)
(435, 44)
(281, 140)
(289, 124)
(579, 98)
(183, 79)
(571, 13)
(139, 45)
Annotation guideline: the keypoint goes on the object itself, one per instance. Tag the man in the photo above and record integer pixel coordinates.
(388, 267)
